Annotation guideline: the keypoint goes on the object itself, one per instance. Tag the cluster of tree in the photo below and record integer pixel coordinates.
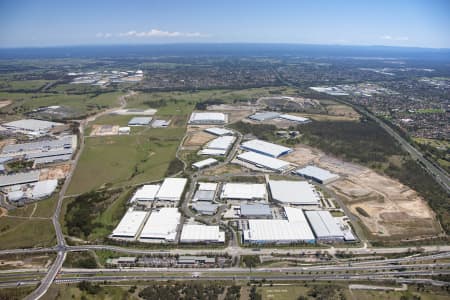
(363, 142)
(250, 261)
(174, 167)
(181, 290)
(81, 260)
(233, 292)
(254, 295)
(81, 212)
(203, 105)
(325, 292)
(89, 287)
(261, 131)
(20, 165)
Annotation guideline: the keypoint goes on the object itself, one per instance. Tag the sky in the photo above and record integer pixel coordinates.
(42, 23)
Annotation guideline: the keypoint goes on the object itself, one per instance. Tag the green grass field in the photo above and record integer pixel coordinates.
(26, 233)
(23, 85)
(79, 105)
(125, 160)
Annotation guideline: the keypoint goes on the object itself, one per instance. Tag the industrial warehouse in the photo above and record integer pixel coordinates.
(293, 192)
(202, 233)
(265, 148)
(202, 118)
(263, 161)
(319, 175)
(218, 146)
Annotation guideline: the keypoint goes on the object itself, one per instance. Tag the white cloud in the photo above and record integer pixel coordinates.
(161, 33)
(103, 35)
(394, 38)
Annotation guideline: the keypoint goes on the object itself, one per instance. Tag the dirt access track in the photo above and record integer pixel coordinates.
(386, 207)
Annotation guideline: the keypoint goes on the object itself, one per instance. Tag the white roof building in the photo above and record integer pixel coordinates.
(207, 186)
(140, 121)
(202, 233)
(264, 161)
(293, 192)
(15, 196)
(205, 163)
(213, 152)
(265, 148)
(325, 226)
(146, 193)
(293, 230)
(130, 224)
(208, 118)
(265, 115)
(43, 189)
(31, 126)
(19, 178)
(244, 191)
(171, 189)
(318, 174)
(221, 143)
(161, 226)
(218, 131)
(294, 118)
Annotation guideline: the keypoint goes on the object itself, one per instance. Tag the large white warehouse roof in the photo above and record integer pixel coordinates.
(221, 143)
(324, 225)
(43, 189)
(130, 224)
(243, 191)
(171, 189)
(201, 233)
(19, 178)
(218, 131)
(205, 163)
(31, 125)
(162, 225)
(294, 118)
(146, 193)
(318, 174)
(207, 117)
(266, 148)
(294, 192)
(263, 161)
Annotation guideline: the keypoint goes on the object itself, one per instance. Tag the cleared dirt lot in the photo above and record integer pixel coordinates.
(196, 138)
(387, 208)
(56, 172)
(104, 130)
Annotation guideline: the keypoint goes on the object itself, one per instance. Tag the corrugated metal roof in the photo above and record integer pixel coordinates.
(19, 178)
(171, 189)
(266, 148)
(162, 224)
(130, 224)
(317, 173)
(294, 118)
(255, 210)
(205, 117)
(263, 161)
(247, 191)
(295, 192)
(265, 115)
(140, 121)
(199, 233)
(323, 224)
(204, 163)
(218, 131)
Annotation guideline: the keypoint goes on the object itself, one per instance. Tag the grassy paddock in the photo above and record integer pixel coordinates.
(26, 233)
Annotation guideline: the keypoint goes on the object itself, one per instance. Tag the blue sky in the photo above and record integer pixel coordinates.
(422, 23)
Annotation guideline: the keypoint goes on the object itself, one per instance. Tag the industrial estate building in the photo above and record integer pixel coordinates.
(31, 127)
(161, 226)
(208, 118)
(318, 174)
(206, 192)
(218, 131)
(263, 161)
(202, 233)
(171, 189)
(130, 224)
(255, 211)
(205, 208)
(265, 148)
(264, 116)
(293, 230)
(243, 191)
(205, 163)
(325, 226)
(43, 189)
(140, 121)
(19, 178)
(293, 192)
(219, 146)
(145, 194)
(294, 118)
